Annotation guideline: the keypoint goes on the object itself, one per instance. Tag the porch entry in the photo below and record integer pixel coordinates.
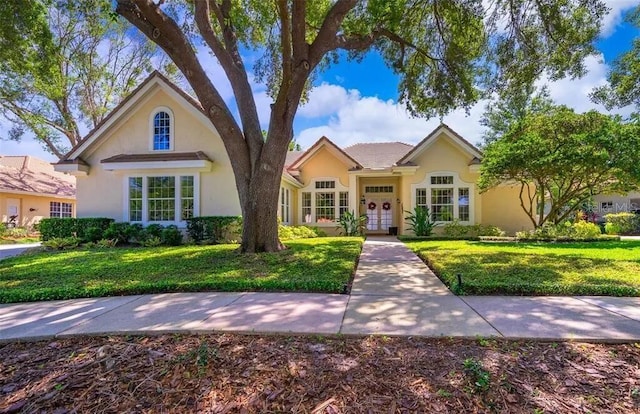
(379, 208)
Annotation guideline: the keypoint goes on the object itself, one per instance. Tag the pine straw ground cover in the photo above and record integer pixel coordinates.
(268, 374)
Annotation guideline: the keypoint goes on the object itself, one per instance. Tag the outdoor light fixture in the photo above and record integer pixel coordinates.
(362, 200)
(32, 209)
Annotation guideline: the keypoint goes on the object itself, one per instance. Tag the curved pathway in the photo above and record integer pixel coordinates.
(393, 293)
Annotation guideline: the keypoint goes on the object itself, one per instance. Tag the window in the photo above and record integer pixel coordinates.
(135, 199)
(325, 207)
(325, 184)
(59, 210)
(606, 205)
(447, 197)
(378, 189)
(442, 204)
(344, 203)
(306, 207)
(463, 204)
(161, 198)
(324, 201)
(285, 205)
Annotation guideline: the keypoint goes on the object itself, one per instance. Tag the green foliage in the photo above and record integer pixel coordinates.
(622, 223)
(567, 231)
(153, 230)
(560, 158)
(311, 265)
(479, 376)
(63, 66)
(151, 241)
(456, 230)
(16, 232)
(118, 231)
(419, 221)
(71, 227)
(59, 243)
(3, 229)
(93, 234)
(171, 236)
(298, 232)
(213, 229)
(351, 224)
(608, 268)
(106, 243)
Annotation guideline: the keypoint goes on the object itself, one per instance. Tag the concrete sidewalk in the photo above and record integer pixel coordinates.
(393, 293)
(10, 250)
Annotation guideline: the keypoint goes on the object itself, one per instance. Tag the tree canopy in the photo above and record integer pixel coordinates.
(448, 54)
(624, 78)
(63, 66)
(561, 159)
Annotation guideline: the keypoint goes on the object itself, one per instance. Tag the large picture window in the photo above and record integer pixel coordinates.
(324, 201)
(162, 199)
(447, 197)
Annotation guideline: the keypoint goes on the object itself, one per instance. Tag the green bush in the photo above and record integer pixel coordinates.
(118, 231)
(621, 223)
(16, 232)
(297, 232)
(454, 229)
(171, 236)
(93, 234)
(70, 227)
(486, 230)
(585, 230)
(419, 221)
(213, 229)
(106, 243)
(59, 243)
(567, 231)
(152, 241)
(153, 230)
(135, 233)
(3, 229)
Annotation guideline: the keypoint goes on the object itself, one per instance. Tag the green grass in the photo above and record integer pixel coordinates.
(593, 268)
(309, 265)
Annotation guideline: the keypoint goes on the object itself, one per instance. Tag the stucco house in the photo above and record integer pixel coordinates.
(30, 190)
(156, 158)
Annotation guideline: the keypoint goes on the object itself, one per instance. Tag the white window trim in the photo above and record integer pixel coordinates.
(172, 128)
(60, 203)
(457, 184)
(145, 198)
(311, 188)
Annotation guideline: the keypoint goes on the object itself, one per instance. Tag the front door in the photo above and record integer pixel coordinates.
(379, 213)
(13, 208)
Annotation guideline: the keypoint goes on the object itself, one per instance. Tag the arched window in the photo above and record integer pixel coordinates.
(162, 131)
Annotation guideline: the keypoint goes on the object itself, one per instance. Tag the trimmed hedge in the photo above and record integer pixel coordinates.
(73, 227)
(622, 223)
(211, 229)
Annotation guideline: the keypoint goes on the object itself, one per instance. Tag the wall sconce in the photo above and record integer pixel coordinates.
(363, 200)
(398, 200)
(33, 209)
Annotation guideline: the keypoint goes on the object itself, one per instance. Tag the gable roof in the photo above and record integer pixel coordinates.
(446, 130)
(378, 154)
(122, 109)
(325, 142)
(26, 174)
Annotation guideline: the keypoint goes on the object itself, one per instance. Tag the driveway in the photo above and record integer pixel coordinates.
(10, 250)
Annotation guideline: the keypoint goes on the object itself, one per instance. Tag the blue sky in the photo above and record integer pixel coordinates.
(356, 101)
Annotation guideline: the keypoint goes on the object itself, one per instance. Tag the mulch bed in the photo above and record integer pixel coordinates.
(224, 373)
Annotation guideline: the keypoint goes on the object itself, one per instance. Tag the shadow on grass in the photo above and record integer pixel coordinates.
(314, 265)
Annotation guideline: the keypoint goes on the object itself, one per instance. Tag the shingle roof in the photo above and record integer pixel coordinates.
(292, 156)
(378, 154)
(33, 175)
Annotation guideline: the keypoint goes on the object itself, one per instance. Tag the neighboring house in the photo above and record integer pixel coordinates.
(156, 158)
(30, 189)
(615, 203)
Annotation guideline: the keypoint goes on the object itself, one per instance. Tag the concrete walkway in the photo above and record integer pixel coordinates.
(393, 293)
(9, 250)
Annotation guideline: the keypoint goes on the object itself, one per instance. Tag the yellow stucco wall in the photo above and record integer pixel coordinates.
(441, 156)
(101, 193)
(324, 164)
(26, 203)
(501, 207)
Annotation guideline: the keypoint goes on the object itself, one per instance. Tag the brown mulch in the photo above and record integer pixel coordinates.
(271, 374)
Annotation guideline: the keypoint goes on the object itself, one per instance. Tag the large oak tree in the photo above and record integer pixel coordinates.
(447, 53)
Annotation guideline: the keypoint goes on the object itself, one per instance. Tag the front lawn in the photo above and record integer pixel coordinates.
(309, 265)
(595, 268)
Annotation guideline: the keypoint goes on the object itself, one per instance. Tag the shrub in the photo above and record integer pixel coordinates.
(3, 229)
(171, 236)
(106, 243)
(70, 227)
(118, 232)
(454, 229)
(419, 221)
(297, 232)
(152, 241)
(16, 232)
(586, 230)
(93, 234)
(213, 229)
(486, 230)
(153, 230)
(59, 243)
(135, 233)
(351, 224)
(621, 223)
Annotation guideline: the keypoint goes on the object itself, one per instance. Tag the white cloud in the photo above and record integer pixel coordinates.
(326, 99)
(614, 18)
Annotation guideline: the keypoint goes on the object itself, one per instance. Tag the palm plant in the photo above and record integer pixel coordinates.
(351, 224)
(419, 221)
